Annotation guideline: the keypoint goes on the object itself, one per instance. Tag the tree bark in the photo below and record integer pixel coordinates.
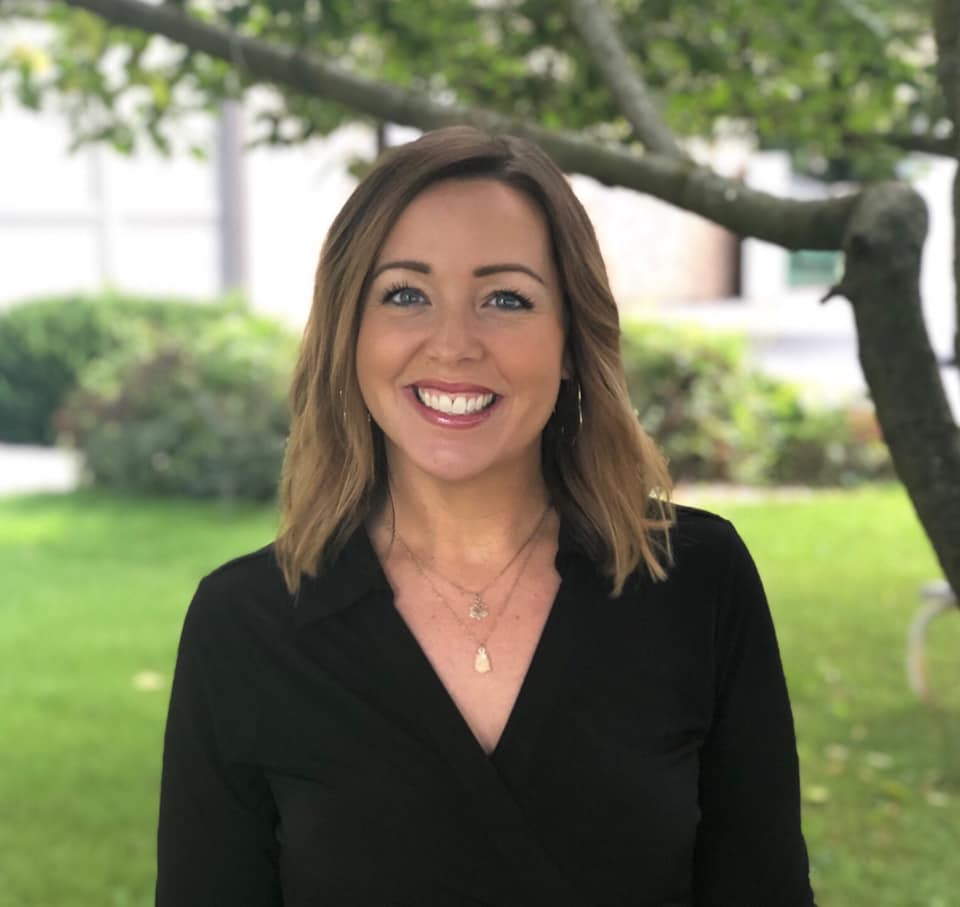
(884, 244)
(628, 88)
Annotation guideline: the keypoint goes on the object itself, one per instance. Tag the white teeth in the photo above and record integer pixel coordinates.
(456, 404)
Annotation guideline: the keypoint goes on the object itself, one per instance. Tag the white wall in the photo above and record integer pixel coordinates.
(293, 195)
(766, 266)
(96, 218)
(933, 178)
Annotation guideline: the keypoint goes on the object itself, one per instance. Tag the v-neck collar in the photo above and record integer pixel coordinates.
(357, 573)
(355, 581)
(487, 779)
(541, 683)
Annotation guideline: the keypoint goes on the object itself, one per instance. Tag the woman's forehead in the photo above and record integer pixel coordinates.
(480, 221)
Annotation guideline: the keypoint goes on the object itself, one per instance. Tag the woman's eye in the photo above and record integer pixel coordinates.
(402, 295)
(405, 296)
(509, 300)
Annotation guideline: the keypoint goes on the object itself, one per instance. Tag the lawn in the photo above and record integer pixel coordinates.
(94, 590)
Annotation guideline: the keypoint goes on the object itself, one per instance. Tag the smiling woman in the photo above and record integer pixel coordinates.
(486, 661)
(472, 338)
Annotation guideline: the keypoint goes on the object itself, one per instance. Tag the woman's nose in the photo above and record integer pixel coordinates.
(454, 334)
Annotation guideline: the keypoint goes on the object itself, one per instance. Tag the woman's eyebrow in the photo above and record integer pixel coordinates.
(420, 266)
(483, 271)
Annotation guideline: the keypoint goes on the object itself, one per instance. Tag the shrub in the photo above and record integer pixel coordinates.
(43, 347)
(831, 447)
(46, 343)
(201, 414)
(695, 396)
(717, 419)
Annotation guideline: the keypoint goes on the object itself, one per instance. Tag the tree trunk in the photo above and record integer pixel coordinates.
(883, 245)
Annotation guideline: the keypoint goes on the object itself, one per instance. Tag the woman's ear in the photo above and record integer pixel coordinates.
(567, 371)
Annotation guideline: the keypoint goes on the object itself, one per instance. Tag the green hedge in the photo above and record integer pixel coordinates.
(45, 344)
(718, 419)
(196, 413)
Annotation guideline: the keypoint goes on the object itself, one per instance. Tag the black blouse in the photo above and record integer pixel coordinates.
(313, 758)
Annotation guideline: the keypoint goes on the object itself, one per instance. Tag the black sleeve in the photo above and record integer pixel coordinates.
(216, 845)
(750, 851)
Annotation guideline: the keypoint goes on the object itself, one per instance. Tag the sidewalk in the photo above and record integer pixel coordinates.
(25, 469)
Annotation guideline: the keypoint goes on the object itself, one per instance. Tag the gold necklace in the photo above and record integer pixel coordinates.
(478, 607)
(481, 658)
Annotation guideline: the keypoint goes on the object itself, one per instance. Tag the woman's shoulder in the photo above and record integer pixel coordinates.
(711, 556)
(236, 620)
(244, 587)
(706, 544)
(254, 573)
(696, 528)
(257, 568)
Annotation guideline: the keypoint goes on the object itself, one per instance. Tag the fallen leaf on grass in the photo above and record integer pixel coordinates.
(895, 790)
(816, 793)
(148, 681)
(837, 752)
(879, 760)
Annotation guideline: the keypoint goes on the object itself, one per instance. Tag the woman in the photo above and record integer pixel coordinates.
(486, 661)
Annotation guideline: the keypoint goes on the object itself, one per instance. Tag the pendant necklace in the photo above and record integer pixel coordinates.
(481, 658)
(478, 607)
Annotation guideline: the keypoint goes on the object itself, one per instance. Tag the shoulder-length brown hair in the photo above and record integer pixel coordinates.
(606, 477)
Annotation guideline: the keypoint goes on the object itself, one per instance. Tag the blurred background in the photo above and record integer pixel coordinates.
(161, 213)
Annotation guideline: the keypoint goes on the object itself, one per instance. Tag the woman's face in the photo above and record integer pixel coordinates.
(461, 344)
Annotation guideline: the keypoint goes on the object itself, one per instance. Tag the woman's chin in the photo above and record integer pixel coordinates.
(453, 470)
(452, 466)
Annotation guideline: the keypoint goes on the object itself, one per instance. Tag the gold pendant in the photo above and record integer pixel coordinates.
(481, 663)
(478, 610)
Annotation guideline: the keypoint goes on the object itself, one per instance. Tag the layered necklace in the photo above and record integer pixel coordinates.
(479, 610)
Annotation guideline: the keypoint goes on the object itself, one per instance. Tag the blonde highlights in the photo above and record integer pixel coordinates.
(606, 477)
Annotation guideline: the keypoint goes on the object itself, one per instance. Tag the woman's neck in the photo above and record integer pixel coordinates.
(472, 525)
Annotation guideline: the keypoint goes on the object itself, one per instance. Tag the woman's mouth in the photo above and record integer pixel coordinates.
(458, 409)
(453, 404)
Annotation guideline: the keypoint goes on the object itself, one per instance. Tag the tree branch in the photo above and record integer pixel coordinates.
(784, 222)
(629, 90)
(944, 146)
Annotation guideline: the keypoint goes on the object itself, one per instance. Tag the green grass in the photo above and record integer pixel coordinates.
(93, 593)
(880, 772)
